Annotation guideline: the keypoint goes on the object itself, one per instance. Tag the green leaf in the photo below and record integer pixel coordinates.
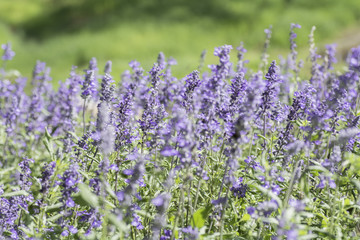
(347, 202)
(28, 231)
(144, 214)
(7, 170)
(54, 218)
(7, 233)
(318, 168)
(48, 147)
(263, 137)
(53, 208)
(356, 183)
(270, 220)
(268, 193)
(354, 160)
(86, 197)
(92, 158)
(17, 193)
(117, 222)
(308, 236)
(85, 175)
(200, 216)
(47, 135)
(245, 217)
(111, 192)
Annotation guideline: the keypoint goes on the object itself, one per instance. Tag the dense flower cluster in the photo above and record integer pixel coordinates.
(232, 153)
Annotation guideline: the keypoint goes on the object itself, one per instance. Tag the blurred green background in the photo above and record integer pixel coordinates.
(69, 32)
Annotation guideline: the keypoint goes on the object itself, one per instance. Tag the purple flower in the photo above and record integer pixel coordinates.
(88, 86)
(354, 59)
(265, 56)
(190, 233)
(8, 53)
(219, 201)
(292, 234)
(323, 180)
(298, 205)
(108, 66)
(251, 211)
(38, 69)
(220, 71)
(136, 222)
(161, 200)
(269, 95)
(69, 182)
(276, 189)
(167, 234)
(153, 114)
(12, 115)
(25, 177)
(161, 60)
(107, 89)
(64, 111)
(238, 91)
(73, 229)
(267, 207)
(48, 171)
(293, 55)
(14, 234)
(192, 81)
(239, 189)
(65, 233)
(128, 172)
(240, 55)
(125, 196)
(105, 132)
(330, 53)
(168, 151)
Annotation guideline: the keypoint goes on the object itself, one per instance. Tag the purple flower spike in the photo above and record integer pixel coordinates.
(73, 229)
(239, 189)
(191, 233)
(89, 84)
(8, 53)
(168, 151)
(65, 233)
(137, 222)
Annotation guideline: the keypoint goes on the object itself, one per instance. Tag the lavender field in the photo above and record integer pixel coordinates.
(226, 152)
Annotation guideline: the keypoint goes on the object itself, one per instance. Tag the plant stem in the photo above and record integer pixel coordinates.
(96, 151)
(288, 193)
(223, 214)
(4, 149)
(264, 130)
(199, 184)
(179, 213)
(84, 108)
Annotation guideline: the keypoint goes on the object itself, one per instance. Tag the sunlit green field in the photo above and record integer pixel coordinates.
(62, 33)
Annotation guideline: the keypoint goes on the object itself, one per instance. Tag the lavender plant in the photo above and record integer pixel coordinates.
(231, 153)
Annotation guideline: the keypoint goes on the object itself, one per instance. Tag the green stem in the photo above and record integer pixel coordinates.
(223, 214)
(189, 206)
(264, 130)
(179, 213)
(96, 151)
(199, 184)
(4, 149)
(288, 192)
(251, 141)
(84, 108)
(357, 104)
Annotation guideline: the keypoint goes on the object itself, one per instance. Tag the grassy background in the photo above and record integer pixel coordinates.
(65, 32)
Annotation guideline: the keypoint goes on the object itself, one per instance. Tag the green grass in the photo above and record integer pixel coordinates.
(71, 33)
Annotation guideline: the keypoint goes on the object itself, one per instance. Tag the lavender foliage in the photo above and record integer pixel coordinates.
(225, 153)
